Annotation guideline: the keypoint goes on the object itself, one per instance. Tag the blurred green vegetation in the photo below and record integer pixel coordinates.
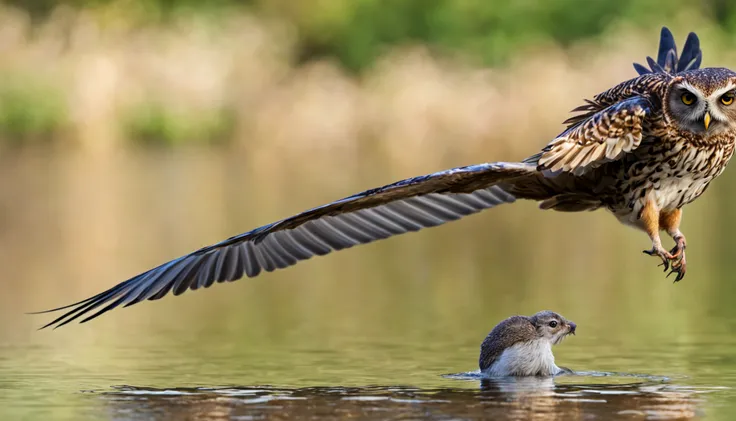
(352, 33)
(154, 124)
(31, 112)
(357, 32)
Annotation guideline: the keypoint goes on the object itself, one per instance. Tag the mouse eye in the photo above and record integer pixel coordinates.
(553, 323)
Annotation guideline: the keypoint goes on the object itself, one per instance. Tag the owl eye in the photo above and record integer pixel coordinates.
(553, 324)
(688, 98)
(727, 99)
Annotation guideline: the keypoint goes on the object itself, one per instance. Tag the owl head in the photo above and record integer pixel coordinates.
(702, 101)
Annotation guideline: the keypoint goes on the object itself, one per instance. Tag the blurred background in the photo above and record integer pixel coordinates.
(134, 131)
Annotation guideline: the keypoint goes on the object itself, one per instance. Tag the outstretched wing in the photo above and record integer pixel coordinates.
(408, 205)
(667, 61)
(601, 137)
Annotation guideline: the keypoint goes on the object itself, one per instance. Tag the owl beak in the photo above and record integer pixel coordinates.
(706, 120)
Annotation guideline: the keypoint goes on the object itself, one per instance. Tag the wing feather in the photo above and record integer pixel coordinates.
(406, 206)
(603, 137)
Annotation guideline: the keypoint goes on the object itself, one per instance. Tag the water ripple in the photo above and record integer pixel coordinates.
(578, 396)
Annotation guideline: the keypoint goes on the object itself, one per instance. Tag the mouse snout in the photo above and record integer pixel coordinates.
(572, 327)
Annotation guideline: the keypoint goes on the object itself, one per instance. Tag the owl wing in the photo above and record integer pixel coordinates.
(601, 137)
(404, 206)
(609, 126)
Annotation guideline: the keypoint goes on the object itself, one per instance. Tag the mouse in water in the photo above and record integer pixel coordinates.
(522, 346)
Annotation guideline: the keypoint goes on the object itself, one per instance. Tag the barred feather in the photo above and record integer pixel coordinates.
(406, 206)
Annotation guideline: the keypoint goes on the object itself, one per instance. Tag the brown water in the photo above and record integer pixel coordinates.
(366, 333)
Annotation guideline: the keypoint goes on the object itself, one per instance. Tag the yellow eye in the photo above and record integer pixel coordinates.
(688, 98)
(727, 99)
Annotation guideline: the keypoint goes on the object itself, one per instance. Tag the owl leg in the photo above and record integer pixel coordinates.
(670, 222)
(649, 217)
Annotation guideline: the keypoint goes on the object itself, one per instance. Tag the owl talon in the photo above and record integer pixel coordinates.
(674, 260)
(679, 248)
(679, 270)
(679, 266)
(662, 254)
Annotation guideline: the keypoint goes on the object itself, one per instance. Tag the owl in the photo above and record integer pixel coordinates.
(641, 150)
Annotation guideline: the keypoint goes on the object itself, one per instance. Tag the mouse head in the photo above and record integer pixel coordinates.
(552, 326)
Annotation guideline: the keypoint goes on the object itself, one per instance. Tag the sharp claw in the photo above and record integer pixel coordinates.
(679, 266)
(673, 261)
(679, 247)
(662, 255)
(677, 251)
(680, 275)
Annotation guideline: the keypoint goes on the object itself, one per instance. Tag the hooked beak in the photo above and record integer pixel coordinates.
(706, 120)
(572, 327)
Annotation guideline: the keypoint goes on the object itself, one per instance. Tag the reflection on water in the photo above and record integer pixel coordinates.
(502, 399)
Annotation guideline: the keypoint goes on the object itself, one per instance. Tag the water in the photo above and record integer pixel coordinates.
(367, 333)
(171, 379)
(504, 400)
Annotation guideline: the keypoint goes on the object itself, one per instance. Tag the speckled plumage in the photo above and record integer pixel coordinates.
(633, 149)
(635, 156)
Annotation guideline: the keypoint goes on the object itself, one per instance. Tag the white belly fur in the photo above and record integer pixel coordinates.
(532, 358)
